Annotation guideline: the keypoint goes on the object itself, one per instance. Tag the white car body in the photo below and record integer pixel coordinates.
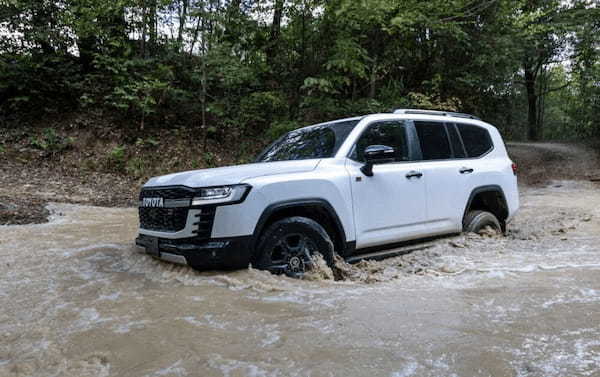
(382, 209)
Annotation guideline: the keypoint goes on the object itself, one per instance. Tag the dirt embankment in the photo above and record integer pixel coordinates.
(540, 163)
(26, 189)
(85, 161)
(27, 185)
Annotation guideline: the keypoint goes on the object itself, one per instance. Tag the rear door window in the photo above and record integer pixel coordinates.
(457, 145)
(476, 139)
(433, 139)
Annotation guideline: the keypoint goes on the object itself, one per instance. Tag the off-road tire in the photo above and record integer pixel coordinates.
(276, 237)
(476, 221)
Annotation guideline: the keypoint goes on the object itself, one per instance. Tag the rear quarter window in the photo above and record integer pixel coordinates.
(476, 139)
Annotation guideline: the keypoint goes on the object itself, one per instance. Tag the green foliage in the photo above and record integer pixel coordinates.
(117, 153)
(228, 74)
(314, 86)
(209, 159)
(259, 109)
(116, 158)
(37, 84)
(142, 97)
(146, 143)
(278, 129)
(136, 167)
(50, 141)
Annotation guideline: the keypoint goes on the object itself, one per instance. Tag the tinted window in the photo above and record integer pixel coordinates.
(315, 142)
(456, 142)
(392, 134)
(342, 130)
(434, 140)
(476, 139)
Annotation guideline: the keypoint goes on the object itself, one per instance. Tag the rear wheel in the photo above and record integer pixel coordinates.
(477, 221)
(288, 246)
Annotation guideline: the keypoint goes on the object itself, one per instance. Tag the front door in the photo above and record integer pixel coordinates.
(390, 206)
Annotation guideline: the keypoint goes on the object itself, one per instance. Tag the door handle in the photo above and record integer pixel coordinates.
(466, 170)
(415, 174)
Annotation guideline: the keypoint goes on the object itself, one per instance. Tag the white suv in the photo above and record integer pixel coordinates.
(346, 187)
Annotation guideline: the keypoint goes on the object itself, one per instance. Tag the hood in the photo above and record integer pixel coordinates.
(231, 175)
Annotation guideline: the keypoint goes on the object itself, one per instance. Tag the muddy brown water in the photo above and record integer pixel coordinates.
(77, 299)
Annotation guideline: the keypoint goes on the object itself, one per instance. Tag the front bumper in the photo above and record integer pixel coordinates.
(229, 253)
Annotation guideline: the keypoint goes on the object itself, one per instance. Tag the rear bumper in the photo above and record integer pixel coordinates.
(227, 253)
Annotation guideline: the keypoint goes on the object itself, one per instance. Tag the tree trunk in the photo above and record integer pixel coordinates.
(195, 37)
(152, 30)
(87, 47)
(532, 121)
(543, 87)
(41, 19)
(144, 24)
(232, 30)
(182, 21)
(203, 92)
(272, 48)
(373, 81)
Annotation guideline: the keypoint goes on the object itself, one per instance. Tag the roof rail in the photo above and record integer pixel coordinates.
(435, 112)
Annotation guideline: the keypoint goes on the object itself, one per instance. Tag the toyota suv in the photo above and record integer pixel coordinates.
(345, 187)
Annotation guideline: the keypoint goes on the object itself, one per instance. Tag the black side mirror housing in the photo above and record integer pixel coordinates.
(376, 154)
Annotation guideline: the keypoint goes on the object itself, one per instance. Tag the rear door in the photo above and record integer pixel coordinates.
(442, 155)
(390, 205)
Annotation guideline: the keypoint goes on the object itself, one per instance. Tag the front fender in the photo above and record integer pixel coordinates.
(244, 219)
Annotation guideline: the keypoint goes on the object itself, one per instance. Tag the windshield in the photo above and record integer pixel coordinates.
(320, 141)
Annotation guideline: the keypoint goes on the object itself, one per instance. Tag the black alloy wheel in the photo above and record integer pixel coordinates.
(288, 246)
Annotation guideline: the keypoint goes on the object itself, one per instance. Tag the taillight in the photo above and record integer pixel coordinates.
(514, 168)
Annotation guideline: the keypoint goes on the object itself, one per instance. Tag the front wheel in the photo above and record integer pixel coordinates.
(288, 246)
(478, 221)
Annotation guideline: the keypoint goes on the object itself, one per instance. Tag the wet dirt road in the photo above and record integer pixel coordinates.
(77, 299)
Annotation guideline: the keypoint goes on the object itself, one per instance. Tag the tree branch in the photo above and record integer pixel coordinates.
(555, 89)
(477, 9)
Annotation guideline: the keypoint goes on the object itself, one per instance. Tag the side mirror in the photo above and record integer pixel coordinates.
(376, 154)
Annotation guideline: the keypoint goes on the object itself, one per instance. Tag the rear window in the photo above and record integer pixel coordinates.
(434, 140)
(476, 139)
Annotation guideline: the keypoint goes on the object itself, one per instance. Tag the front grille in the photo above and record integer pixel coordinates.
(174, 219)
(163, 219)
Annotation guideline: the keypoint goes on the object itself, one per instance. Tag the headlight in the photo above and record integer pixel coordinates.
(221, 194)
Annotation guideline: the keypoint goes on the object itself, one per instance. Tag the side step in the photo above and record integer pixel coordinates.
(383, 254)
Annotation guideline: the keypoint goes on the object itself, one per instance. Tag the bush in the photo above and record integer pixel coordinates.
(136, 167)
(116, 158)
(51, 142)
(260, 109)
(37, 84)
(146, 143)
(280, 128)
(209, 159)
